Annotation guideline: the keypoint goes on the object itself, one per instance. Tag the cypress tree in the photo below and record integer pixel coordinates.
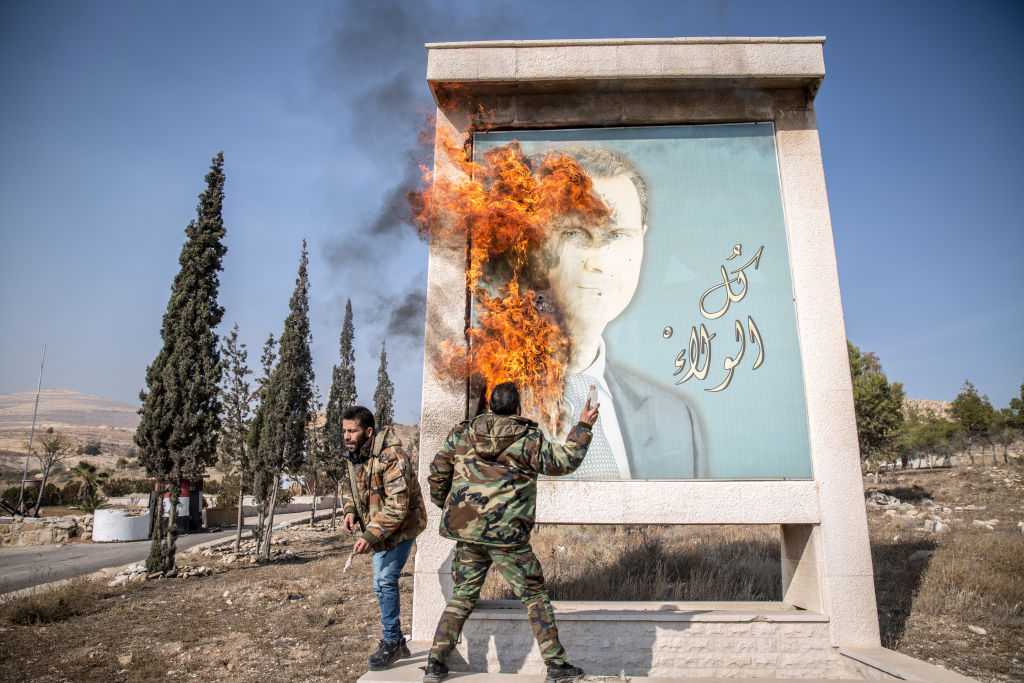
(262, 475)
(287, 407)
(343, 385)
(384, 411)
(180, 423)
(237, 417)
(341, 396)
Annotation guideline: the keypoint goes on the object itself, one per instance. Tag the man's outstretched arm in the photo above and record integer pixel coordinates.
(555, 459)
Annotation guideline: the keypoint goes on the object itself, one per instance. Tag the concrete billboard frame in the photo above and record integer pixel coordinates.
(826, 561)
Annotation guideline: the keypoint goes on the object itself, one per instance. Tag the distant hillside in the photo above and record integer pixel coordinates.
(925, 406)
(64, 407)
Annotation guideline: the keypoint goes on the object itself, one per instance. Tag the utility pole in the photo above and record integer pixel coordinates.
(31, 435)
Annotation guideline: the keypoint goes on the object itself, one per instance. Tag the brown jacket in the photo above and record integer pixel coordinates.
(390, 504)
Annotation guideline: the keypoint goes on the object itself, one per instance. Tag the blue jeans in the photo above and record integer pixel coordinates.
(387, 567)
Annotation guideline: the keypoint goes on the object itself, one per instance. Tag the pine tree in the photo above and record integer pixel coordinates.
(384, 410)
(342, 395)
(177, 434)
(287, 405)
(235, 392)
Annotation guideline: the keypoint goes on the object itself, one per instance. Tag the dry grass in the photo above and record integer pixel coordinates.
(51, 605)
(659, 563)
(962, 606)
(980, 578)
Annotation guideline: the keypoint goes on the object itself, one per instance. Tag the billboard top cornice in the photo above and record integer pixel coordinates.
(658, 63)
(684, 40)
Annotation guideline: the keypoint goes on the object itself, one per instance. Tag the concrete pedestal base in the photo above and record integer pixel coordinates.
(866, 663)
(763, 640)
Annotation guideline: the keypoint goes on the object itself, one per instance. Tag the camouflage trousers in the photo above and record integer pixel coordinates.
(521, 569)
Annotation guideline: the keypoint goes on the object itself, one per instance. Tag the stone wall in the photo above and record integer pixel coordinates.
(658, 639)
(20, 530)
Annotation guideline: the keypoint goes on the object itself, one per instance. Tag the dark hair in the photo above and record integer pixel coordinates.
(504, 399)
(363, 415)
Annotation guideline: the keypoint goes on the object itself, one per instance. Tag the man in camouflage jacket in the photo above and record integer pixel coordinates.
(485, 479)
(383, 498)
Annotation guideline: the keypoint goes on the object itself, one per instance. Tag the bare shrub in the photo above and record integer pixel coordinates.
(677, 564)
(53, 604)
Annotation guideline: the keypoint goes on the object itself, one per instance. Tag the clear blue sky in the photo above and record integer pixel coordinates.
(112, 110)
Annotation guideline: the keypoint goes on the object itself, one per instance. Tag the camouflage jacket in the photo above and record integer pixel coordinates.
(485, 477)
(389, 493)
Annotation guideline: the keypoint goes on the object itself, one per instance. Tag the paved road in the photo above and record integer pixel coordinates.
(22, 567)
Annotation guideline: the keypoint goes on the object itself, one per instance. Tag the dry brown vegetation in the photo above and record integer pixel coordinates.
(663, 563)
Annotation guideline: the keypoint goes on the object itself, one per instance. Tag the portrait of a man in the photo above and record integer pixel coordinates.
(675, 304)
(590, 272)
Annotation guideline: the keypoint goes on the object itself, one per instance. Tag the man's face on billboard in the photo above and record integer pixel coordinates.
(597, 267)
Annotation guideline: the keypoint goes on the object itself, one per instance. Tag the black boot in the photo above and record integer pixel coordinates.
(435, 671)
(388, 652)
(563, 673)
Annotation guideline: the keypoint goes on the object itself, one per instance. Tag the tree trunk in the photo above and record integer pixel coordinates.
(270, 516)
(154, 511)
(312, 513)
(241, 516)
(172, 527)
(334, 508)
(42, 487)
(257, 533)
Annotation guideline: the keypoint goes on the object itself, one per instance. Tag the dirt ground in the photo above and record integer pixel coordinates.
(302, 618)
(298, 619)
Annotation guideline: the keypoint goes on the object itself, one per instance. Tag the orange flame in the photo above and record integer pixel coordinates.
(503, 207)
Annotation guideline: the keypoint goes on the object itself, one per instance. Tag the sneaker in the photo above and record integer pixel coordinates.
(435, 671)
(563, 673)
(388, 652)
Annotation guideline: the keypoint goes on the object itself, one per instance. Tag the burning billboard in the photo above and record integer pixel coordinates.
(646, 266)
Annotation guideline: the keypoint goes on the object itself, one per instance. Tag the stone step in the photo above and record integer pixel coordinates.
(411, 671)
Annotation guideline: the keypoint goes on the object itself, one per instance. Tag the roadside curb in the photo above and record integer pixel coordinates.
(108, 572)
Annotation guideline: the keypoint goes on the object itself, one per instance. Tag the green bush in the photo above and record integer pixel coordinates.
(125, 486)
(72, 490)
(227, 493)
(52, 495)
(10, 495)
(91, 448)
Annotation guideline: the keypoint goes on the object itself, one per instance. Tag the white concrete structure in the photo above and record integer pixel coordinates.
(118, 525)
(826, 568)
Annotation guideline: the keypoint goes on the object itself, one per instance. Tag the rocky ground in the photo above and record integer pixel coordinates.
(948, 592)
(948, 554)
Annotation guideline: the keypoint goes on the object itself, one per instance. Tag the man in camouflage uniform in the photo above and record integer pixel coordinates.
(383, 498)
(485, 478)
